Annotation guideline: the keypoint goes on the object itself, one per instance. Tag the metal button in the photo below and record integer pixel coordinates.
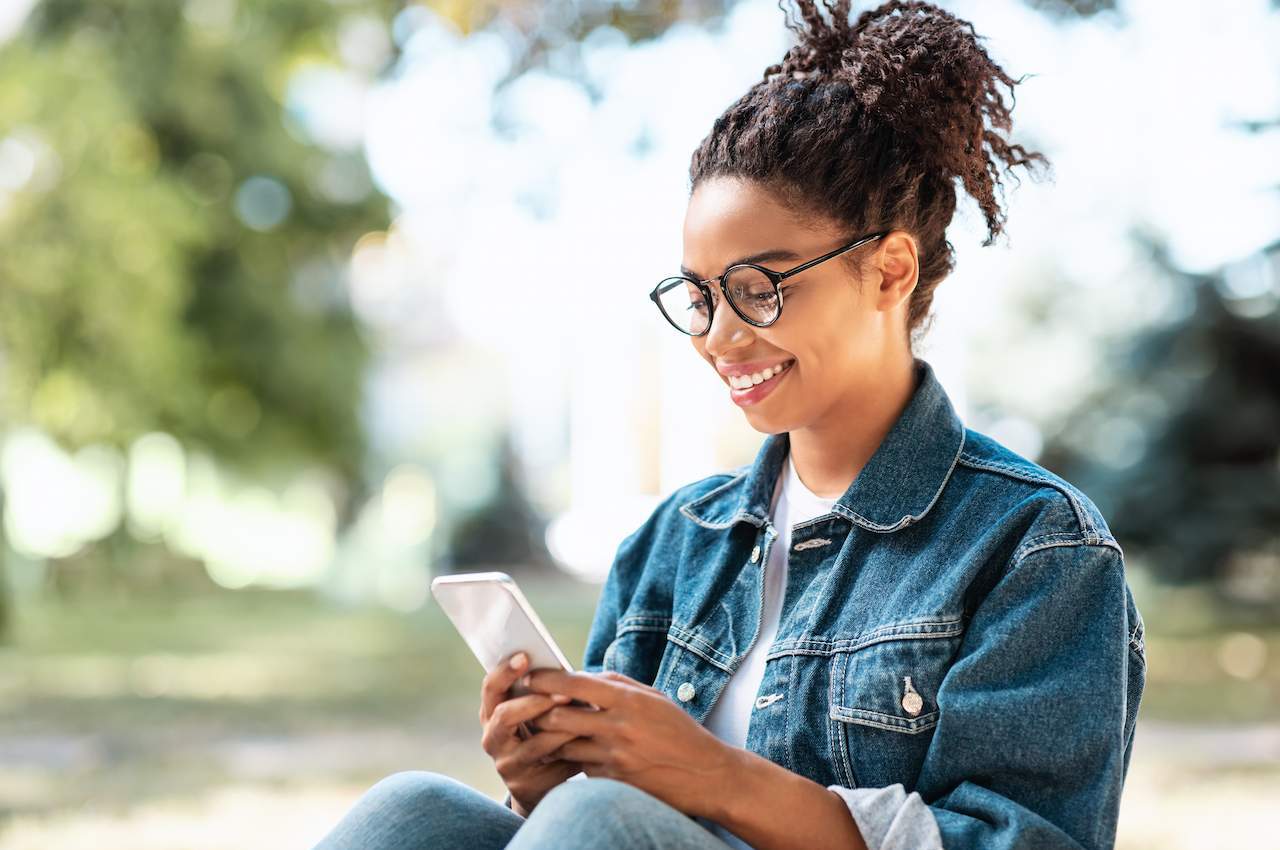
(685, 692)
(755, 554)
(912, 702)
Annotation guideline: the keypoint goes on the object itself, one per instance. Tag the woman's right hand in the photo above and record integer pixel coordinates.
(519, 762)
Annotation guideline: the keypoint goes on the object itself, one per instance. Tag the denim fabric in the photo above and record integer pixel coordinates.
(424, 810)
(994, 584)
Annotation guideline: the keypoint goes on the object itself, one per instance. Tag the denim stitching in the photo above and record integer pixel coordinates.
(1086, 525)
(1032, 546)
(880, 720)
(827, 517)
(909, 518)
(687, 507)
(837, 734)
(919, 629)
(677, 637)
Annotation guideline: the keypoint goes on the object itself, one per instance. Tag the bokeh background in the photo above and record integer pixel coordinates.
(304, 302)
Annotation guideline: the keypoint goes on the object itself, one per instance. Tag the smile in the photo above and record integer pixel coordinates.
(752, 392)
(742, 382)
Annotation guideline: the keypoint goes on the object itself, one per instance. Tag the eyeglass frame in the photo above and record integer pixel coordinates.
(775, 278)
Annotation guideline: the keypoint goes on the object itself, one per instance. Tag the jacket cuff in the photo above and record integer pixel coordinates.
(891, 819)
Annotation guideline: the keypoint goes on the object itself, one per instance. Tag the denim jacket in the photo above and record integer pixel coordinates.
(989, 582)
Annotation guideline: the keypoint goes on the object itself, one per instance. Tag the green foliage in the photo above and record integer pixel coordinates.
(1180, 443)
(133, 295)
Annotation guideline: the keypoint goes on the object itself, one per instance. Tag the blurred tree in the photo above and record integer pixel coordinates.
(1180, 443)
(506, 531)
(173, 251)
(173, 246)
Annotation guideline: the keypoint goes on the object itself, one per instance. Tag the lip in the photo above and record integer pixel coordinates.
(759, 392)
(732, 369)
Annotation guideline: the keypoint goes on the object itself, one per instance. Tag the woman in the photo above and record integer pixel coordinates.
(889, 631)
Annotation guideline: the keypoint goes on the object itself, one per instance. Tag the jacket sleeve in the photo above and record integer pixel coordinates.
(1036, 715)
(619, 586)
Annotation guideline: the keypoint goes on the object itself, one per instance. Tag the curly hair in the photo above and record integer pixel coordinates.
(866, 124)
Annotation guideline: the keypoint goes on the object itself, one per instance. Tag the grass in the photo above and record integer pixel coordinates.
(167, 722)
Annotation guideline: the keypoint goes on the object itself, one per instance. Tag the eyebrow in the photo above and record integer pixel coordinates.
(760, 257)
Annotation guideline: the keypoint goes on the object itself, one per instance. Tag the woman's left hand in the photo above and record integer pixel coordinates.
(638, 736)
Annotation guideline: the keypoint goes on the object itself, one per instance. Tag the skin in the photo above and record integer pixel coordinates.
(853, 371)
(526, 765)
(852, 378)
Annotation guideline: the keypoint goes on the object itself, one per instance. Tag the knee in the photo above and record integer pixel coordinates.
(597, 799)
(412, 791)
(408, 803)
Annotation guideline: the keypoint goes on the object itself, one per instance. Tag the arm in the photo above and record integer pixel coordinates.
(1037, 711)
(1032, 742)
(758, 790)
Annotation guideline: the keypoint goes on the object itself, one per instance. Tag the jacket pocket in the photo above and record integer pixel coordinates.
(638, 645)
(883, 700)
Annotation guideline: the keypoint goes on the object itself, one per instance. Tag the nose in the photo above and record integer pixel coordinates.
(727, 330)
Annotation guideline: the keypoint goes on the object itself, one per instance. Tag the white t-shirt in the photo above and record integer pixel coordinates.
(793, 503)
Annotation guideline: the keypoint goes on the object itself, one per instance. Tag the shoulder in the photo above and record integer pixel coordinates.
(1050, 510)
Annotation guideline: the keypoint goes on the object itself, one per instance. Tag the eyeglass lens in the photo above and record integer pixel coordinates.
(750, 290)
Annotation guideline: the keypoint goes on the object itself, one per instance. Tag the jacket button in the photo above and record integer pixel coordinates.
(755, 554)
(685, 692)
(912, 702)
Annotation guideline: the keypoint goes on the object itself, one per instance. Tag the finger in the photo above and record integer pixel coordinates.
(517, 710)
(540, 746)
(579, 721)
(589, 687)
(497, 682)
(511, 720)
(583, 750)
(627, 680)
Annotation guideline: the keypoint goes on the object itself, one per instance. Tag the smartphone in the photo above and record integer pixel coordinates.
(497, 621)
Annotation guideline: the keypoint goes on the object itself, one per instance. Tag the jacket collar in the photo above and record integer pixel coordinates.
(898, 485)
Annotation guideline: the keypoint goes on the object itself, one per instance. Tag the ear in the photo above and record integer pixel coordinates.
(899, 266)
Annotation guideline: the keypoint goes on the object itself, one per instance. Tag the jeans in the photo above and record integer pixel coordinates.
(425, 810)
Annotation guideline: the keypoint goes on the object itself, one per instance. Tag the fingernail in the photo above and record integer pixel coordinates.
(561, 697)
(526, 681)
(517, 661)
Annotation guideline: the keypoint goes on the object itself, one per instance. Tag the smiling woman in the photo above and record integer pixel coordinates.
(890, 630)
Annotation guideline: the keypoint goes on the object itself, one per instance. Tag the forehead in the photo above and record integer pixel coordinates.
(728, 219)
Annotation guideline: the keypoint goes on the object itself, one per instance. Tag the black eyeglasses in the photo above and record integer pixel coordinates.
(752, 291)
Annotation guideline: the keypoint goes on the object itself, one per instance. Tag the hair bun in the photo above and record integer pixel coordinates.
(916, 69)
(866, 125)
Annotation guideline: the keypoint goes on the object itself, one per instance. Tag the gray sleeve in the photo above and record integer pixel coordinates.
(891, 819)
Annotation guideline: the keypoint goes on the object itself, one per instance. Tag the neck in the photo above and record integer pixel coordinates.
(829, 453)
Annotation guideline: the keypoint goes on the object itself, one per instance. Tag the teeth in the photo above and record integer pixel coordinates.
(741, 382)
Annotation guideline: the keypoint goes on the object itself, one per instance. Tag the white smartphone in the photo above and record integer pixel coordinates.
(496, 621)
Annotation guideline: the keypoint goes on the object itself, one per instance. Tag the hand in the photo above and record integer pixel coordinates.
(525, 764)
(637, 735)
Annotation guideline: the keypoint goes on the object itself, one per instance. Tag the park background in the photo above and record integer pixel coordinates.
(304, 302)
